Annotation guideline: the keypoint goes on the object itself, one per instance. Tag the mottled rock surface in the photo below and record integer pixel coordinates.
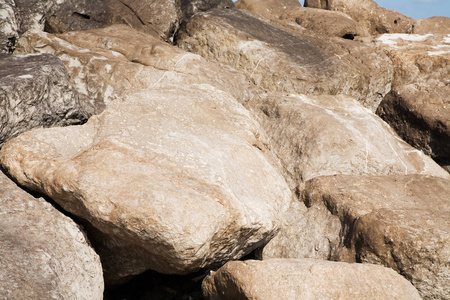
(35, 92)
(305, 279)
(191, 7)
(178, 177)
(285, 62)
(105, 64)
(434, 25)
(271, 9)
(402, 222)
(8, 26)
(43, 254)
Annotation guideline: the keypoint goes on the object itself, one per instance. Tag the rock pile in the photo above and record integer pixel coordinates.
(262, 150)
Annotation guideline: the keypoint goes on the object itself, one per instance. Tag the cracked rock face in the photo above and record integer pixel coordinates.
(35, 92)
(305, 279)
(177, 178)
(401, 222)
(43, 254)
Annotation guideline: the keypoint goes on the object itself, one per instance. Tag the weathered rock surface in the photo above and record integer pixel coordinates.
(155, 17)
(418, 107)
(43, 254)
(174, 176)
(305, 279)
(270, 9)
(402, 222)
(106, 63)
(279, 61)
(326, 135)
(433, 25)
(35, 92)
(368, 14)
(8, 26)
(191, 7)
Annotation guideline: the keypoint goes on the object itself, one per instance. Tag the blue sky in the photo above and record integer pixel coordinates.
(417, 9)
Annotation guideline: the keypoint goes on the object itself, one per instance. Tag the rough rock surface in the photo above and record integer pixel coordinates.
(326, 135)
(191, 7)
(418, 107)
(105, 64)
(8, 26)
(402, 222)
(279, 61)
(43, 254)
(155, 17)
(35, 92)
(305, 279)
(175, 176)
(369, 15)
(270, 8)
(434, 25)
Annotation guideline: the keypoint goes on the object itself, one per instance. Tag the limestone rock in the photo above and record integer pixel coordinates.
(191, 7)
(377, 20)
(433, 25)
(326, 135)
(305, 279)
(9, 26)
(105, 64)
(156, 17)
(402, 222)
(35, 92)
(178, 176)
(43, 254)
(284, 62)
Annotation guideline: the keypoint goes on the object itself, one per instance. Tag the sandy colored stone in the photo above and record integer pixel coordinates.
(270, 8)
(434, 25)
(35, 92)
(181, 175)
(43, 254)
(305, 279)
(402, 222)
(105, 64)
(326, 135)
(285, 62)
(376, 19)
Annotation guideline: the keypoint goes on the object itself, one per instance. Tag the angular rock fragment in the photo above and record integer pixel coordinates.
(402, 222)
(326, 135)
(35, 92)
(305, 279)
(284, 62)
(43, 254)
(105, 64)
(178, 177)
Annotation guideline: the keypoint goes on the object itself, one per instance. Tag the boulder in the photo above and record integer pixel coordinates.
(433, 25)
(161, 18)
(35, 92)
(375, 19)
(43, 254)
(271, 9)
(401, 222)
(8, 26)
(106, 63)
(178, 179)
(284, 62)
(418, 107)
(191, 7)
(305, 279)
(325, 135)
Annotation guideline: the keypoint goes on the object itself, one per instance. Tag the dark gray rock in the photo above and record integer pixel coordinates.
(35, 92)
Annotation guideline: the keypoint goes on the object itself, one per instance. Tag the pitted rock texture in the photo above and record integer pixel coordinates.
(305, 279)
(155, 17)
(401, 222)
(105, 64)
(43, 254)
(326, 135)
(35, 92)
(285, 62)
(180, 175)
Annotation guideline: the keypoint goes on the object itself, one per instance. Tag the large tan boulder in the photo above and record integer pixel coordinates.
(270, 8)
(305, 279)
(325, 135)
(43, 254)
(368, 14)
(176, 179)
(434, 25)
(104, 64)
(284, 62)
(401, 222)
